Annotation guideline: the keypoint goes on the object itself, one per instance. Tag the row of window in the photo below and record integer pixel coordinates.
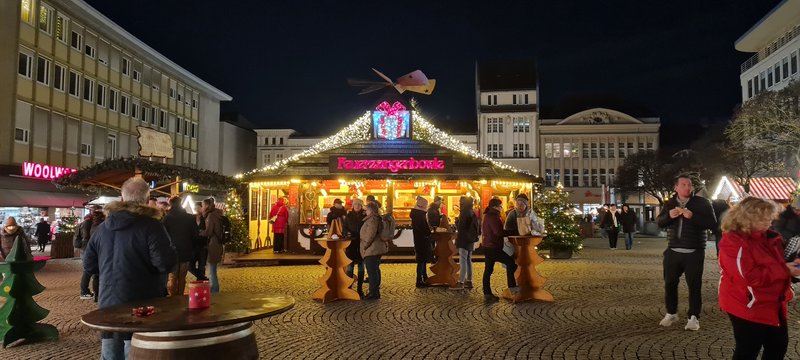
(520, 125)
(572, 177)
(773, 75)
(267, 139)
(519, 150)
(594, 150)
(102, 95)
(267, 158)
(516, 99)
(89, 47)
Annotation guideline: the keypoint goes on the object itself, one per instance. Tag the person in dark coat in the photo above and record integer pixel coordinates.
(213, 231)
(468, 226)
(422, 239)
(492, 230)
(720, 208)
(197, 264)
(352, 226)
(686, 217)
(132, 252)
(85, 231)
(434, 213)
(8, 234)
(610, 222)
(42, 234)
(627, 218)
(337, 212)
(788, 222)
(182, 229)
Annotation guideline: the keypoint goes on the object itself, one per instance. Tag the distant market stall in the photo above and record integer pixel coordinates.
(392, 153)
(778, 189)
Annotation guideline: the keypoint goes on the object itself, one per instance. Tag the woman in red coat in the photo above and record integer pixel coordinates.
(755, 280)
(279, 216)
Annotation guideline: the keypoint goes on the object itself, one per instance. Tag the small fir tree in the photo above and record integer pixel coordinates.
(68, 223)
(561, 225)
(240, 241)
(20, 313)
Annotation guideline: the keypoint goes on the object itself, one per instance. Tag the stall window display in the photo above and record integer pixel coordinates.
(25, 216)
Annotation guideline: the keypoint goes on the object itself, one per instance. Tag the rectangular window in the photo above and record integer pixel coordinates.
(86, 149)
(494, 99)
(88, 89)
(154, 116)
(514, 99)
(137, 76)
(101, 95)
(21, 135)
(178, 125)
(113, 99)
(194, 131)
(45, 19)
(489, 99)
(90, 51)
(621, 149)
(74, 84)
(171, 93)
(793, 62)
(26, 13)
(76, 41)
(585, 150)
(602, 179)
(281, 141)
(126, 67)
(43, 70)
(586, 181)
(785, 66)
(123, 104)
(145, 113)
(59, 75)
(163, 120)
(602, 150)
(194, 103)
(186, 126)
(769, 78)
(557, 150)
(61, 28)
(135, 110)
(548, 177)
(763, 81)
(25, 67)
(777, 72)
(526, 99)
(111, 146)
(749, 88)
(594, 150)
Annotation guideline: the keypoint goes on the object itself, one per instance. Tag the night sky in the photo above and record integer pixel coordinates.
(286, 62)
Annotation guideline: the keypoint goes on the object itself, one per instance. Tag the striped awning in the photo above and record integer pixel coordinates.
(773, 188)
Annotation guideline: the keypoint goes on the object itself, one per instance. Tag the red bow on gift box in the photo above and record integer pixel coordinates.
(390, 110)
(392, 121)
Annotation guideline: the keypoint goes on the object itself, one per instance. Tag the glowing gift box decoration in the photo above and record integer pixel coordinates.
(391, 121)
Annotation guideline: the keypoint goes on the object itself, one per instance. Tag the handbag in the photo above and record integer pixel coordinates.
(523, 225)
(273, 219)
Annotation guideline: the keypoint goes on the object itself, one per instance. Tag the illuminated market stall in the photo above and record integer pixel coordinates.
(391, 153)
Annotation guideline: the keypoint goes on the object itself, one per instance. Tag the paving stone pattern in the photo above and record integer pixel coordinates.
(608, 305)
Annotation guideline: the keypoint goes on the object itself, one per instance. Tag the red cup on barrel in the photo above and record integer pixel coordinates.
(199, 294)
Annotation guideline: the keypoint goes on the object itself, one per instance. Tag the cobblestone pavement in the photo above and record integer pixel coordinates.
(608, 305)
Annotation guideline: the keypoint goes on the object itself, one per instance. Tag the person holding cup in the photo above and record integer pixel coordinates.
(755, 279)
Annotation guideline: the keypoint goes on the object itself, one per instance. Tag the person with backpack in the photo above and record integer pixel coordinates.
(468, 226)
(84, 232)
(8, 234)
(214, 233)
(373, 245)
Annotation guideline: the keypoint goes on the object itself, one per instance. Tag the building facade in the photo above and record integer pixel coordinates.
(507, 99)
(238, 140)
(76, 86)
(775, 40)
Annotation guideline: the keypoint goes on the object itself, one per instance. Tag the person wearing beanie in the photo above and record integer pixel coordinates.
(492, 230)
(521, 208)
(422, 239)
(337, 212)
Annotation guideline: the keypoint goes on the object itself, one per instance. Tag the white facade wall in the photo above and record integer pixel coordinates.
(764, 72)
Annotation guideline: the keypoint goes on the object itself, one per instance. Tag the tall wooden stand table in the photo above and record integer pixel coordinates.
(335, 282)
(222, 331)
(528, 279)
(445, 270)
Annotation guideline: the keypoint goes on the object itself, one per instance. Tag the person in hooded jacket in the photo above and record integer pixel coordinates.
(372, 248)
(85, 231)
(132, 252)
(755, 280)
(42, 234)
(468, 226)
(422, 239)
(627, 218)
(337, 212)
(492, 230)
(280, 214)
(213, 232)
(10, 232)
(182, 229)
(353, 222)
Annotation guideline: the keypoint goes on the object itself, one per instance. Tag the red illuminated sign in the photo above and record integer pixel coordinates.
(44, 171)
(389, 164)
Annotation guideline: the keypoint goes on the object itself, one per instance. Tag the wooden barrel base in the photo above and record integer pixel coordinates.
(232, 342)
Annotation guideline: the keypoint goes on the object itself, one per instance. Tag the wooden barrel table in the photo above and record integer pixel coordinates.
(223, 330)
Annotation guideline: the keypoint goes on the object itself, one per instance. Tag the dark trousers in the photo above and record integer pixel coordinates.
(277, 242)
(373, 265)
(350, 271)
(628, 240)
(691, 266)
(86, 277)
(613, 234)
(197, 265)
(751, 337)
(498, 255)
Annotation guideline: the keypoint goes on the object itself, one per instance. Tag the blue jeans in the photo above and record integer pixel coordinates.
(114, 349)
(628, 240)
(360, 283)
(86, 277)
(465, 265)
(373, 265)
(212, 277)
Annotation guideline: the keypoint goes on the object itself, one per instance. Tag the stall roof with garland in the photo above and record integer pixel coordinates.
(114, 172)
(355, 140)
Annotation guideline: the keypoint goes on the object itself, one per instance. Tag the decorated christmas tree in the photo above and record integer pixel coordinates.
(563, 229)
(240, 241)
(69, 222)
(19, 314)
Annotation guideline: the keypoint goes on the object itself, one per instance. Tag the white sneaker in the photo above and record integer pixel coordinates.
(87, 297)
(668, 320)
(693, 324)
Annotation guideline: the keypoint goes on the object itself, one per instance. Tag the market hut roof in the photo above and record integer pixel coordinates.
(114, 172)
(355, 139)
